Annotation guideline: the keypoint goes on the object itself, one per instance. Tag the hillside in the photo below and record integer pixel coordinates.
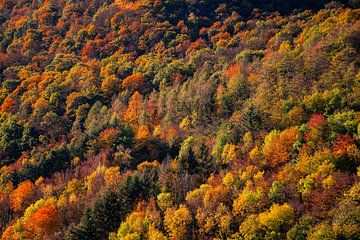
(179, 120)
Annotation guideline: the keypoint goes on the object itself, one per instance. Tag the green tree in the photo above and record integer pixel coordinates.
(186, 159)
(222, 138)
(11, 134)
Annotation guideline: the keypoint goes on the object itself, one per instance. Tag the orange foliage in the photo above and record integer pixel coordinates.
(253, 78)
(198, 44)
(17, 90)
(39, 103)
(321, 16)
(10, 234)
(24, 74)
(232, 70)
(108, 136)
(88, 50)
(342, 143)
(317, 127)
(7, 105)
(33, 81)
(220, 36)
(216, 25)
(277, 149)
(134, 108)
(45, 81)
(142, 132)
(134, 82)
(19, 22)
(147, 165)
(129, 5)
(203, 31)
(43, 221)
(214, 196)
(21, 196)
(171, 134)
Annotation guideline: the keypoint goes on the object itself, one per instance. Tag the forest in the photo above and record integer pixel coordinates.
(179, 120)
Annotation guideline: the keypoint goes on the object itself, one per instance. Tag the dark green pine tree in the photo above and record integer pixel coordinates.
(108, 211)
(86, 230)
(186, 158)
(10, 140)
(253, 119)
(204, 159)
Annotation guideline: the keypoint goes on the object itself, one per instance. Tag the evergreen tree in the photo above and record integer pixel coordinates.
(86, 230)
(204, 159)
(186, 158)
(10, 140)
(253, 119)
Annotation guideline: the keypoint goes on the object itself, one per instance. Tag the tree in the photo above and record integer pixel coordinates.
(10, 234)
(278, 219)
(109, 209)
(253, 119)
(8, 105)
(135, 82)
(248, 201)
(5, 206)
(43, 222)
(86, 229)
(57, 159)
(97, 119)
(186, 159)
(51, 126)
(229, 154)
(104, 217)
(322, 231)
(110, 137)
(88, 50)
(346, 217)
(301, 230)
(141, 223)
(204, 158)
(134, 110)
(22, 195)
(215, 222)
(272, 224)
(10, 139)
(110, 85)
(278, 147)
(318, 128)
(143, 132)
(178, 223)
(222, 138)
(346, 152)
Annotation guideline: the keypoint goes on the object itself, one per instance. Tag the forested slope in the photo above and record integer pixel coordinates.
(157, 119)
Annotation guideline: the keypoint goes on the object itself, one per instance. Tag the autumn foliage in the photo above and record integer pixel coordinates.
(135, 108)
(22, 195)
(134, 82)
(170, 120)
(43, 222)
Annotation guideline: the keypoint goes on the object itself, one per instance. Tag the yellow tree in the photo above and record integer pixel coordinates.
(109, 85)
(178, 223)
